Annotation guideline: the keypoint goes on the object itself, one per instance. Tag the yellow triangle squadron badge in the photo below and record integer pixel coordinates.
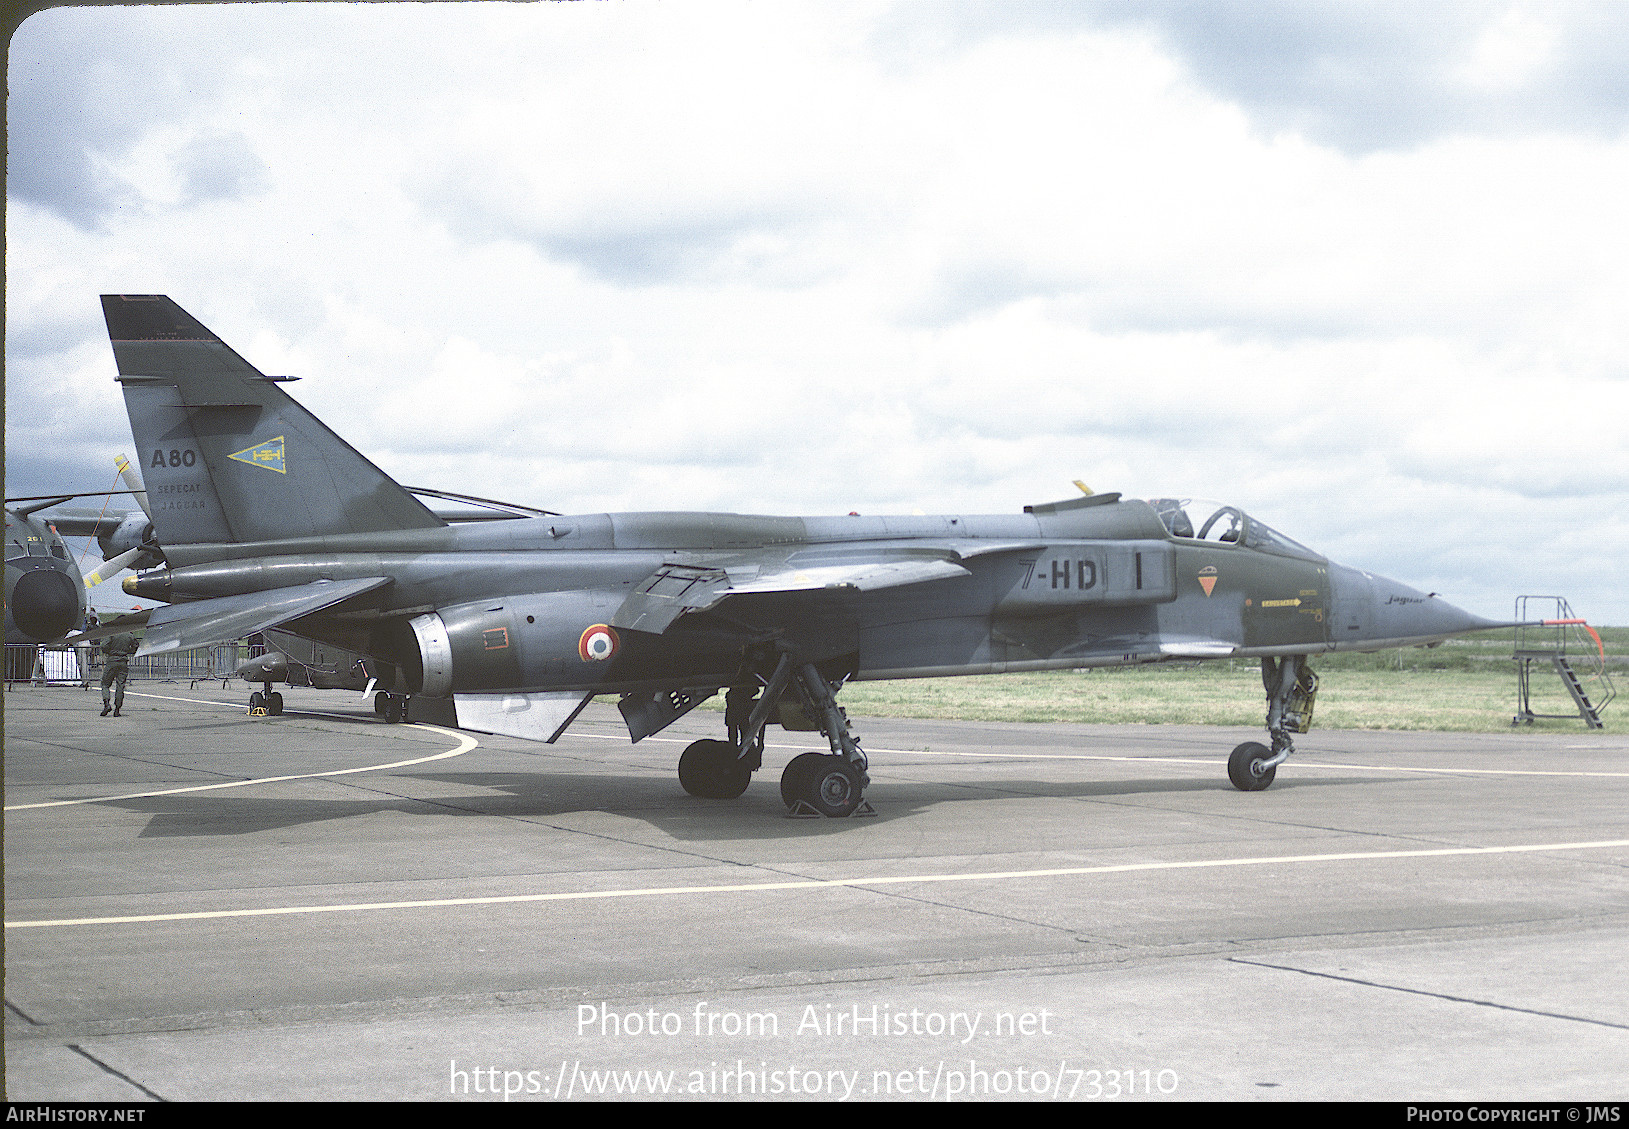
(268, 455)
(1207, 578)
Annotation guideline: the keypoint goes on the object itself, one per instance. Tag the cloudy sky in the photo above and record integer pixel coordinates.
(1360, 268)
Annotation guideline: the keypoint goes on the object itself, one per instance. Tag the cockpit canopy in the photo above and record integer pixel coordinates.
(1199, 519)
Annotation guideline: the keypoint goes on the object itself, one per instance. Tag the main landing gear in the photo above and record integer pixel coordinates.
(1292, 689)
(713, 770)
(391, 707)
(268, 700)
(813, 784)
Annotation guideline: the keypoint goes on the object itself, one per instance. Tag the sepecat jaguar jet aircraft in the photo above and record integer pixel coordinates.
(267, 519)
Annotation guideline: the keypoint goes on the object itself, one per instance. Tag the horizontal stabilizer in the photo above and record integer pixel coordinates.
(126, 621)
(225, 618)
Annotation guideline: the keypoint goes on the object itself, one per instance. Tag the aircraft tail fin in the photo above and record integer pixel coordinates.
(227, 455)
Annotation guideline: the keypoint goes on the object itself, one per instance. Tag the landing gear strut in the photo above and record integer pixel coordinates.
(391, 707)
(829, 784)
(269, 700)
(1291, 690)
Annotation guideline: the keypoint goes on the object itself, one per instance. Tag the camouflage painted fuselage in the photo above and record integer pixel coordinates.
(1080, 584)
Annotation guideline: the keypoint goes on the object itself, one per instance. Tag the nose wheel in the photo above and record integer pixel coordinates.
(1292, 689)
(1248, 767)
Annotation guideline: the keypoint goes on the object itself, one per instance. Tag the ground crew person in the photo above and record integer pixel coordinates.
(85, 652)
(116, 654)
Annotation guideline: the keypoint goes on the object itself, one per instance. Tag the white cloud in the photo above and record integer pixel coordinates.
(1511, 50)
(790, 259)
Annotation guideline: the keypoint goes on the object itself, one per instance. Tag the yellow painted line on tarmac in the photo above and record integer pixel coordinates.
(465, 744)
(820, 884)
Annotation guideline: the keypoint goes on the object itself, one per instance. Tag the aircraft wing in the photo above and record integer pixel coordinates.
(225, 618)
(126, 621)
(84, 523)
(862, 577)
(989, 548)
(675, 588)
(1190, 648)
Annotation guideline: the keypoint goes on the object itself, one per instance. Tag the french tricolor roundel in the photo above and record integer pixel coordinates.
(598, 643)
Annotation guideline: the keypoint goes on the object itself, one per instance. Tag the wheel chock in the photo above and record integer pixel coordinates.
(803, 810)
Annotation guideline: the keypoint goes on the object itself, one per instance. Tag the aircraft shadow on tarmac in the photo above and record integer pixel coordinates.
(757, 815)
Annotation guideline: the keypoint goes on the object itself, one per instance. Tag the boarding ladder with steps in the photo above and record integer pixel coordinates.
(1544, 638)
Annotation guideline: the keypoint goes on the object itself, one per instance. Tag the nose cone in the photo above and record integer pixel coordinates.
(1374, 611)
(1403, 613)
(46, 604)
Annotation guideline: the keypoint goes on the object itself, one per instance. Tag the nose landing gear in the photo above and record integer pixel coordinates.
(1292, 689)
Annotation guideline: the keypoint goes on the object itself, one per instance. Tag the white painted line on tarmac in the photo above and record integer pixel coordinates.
(236, 706)
(465, 744)
(1291, 763)
(921, 752)
(1205, 761)
(194, 701)
(1457, 771)
(820, 884)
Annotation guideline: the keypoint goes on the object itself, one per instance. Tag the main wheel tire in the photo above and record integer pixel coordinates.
(830, 785)
(395, 708)
(380, 701)
(711, 770)
(793, 787)
(1244, 767)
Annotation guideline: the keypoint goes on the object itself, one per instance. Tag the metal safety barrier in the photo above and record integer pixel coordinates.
(82, 665)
